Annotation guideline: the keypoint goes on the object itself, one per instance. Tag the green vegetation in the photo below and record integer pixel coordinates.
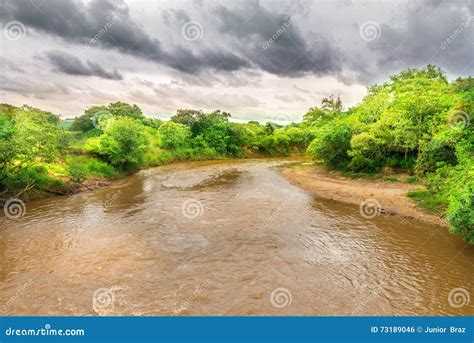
(41, 153)
(430, 200)
(417, 122)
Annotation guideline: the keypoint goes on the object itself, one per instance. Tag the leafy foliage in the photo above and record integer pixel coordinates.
(123, 144)
(418, 122)
(28, 137)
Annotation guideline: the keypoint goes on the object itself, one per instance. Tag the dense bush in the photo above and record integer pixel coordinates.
(123, 144)
(174, 135)
(28, 138)
(418, 122)
(332, 145)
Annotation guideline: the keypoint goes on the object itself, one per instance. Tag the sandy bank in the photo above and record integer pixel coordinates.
(392, 197)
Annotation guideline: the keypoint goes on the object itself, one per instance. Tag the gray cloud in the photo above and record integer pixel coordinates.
(35, 89)
(423, 38)
(69, 64)
(108, 24)
(272, 41)
(279, 39)
(77, 22)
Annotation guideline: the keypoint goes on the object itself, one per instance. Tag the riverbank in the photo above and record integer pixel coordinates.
(392, 196)
(67, 186)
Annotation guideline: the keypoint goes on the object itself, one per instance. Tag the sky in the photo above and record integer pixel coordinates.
(258, 60)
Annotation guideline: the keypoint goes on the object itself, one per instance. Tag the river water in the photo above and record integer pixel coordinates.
(225, 238)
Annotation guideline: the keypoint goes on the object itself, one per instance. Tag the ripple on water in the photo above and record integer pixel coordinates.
(255, 233)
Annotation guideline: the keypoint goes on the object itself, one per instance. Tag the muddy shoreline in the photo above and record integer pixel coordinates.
(392, 197)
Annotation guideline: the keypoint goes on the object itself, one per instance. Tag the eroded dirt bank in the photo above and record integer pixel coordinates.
(392, 197)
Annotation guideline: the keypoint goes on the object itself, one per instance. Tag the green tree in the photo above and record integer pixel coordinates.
(123, 144)
(28, 137)
(174, 135)
(330, 108)
(96, 117)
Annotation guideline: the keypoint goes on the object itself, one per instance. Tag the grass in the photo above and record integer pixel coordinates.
(432, 202)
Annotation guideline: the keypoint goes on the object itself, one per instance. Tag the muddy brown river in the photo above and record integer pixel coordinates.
(225, 238)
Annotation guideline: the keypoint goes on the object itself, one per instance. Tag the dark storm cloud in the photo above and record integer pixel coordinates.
(438, 32)
(284, 39)
(103, 23)
(108, 24)
(71, 65)
(188, 61)
(272, 41)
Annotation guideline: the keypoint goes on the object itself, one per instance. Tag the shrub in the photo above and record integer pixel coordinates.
(174, 135)
(123, 144)
(332, 146)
